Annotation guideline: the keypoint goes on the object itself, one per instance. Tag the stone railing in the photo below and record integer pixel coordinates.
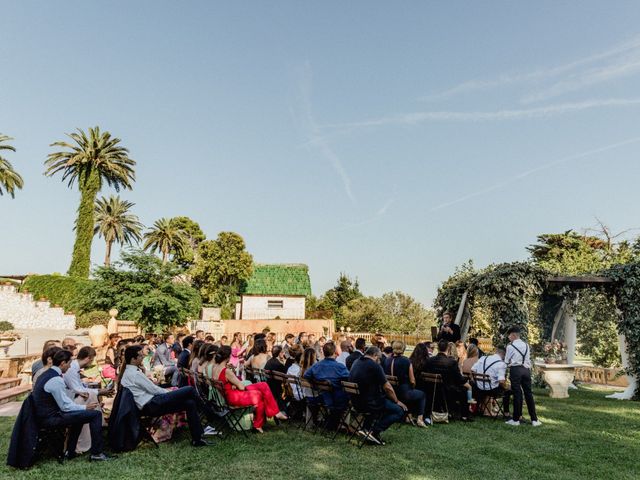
(601, 376)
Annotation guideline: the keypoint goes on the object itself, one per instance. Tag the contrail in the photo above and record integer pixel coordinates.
(526, 173)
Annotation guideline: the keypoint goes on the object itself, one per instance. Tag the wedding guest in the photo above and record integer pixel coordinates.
(399, 366)
(260, 355)
(519, 361)
(38, 364)
(496, 369)
(46, 360)
(472, 358)
(162, 357)
(358, 352)
(346, 348)
(277, 363)
(449, 331)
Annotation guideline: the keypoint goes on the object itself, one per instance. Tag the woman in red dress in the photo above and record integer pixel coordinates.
(239, 395)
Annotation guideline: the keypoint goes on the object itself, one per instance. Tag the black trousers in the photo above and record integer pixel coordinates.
(496, 392)
(183, 399)
(521, 382)
(75, 421)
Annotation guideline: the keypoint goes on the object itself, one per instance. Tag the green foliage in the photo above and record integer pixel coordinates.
(115, 224)
(89, 319)
(596, 328)
(90, 160)
(144, 290)
(568, 253)
(345, 291)
(58, 289)
(165, 236)
(10, 180)
(393, 312)
(626, 293)
(187, 255)
(223, 265)
(278, 279)
(5, 326)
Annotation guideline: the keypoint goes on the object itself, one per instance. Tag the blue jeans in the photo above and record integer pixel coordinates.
(414, 399)
(75, 421)
(392, 413)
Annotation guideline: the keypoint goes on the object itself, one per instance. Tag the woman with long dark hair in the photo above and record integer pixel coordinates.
(237, 394)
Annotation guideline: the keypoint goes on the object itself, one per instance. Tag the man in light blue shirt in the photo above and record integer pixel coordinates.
(55, 409)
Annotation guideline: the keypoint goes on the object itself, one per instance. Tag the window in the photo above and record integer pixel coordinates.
(275, 304)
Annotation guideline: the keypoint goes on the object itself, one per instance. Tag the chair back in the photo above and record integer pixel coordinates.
(323, 386)
(482, 379)
(431, 377)
(351, 388)
(393, 380)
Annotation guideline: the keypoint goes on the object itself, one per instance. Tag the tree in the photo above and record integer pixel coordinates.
(165, 236)
(10, 180)
(337, 297)
(143, 289)
(193, 235)
(115, 224)
(222, 266)
(91, 160)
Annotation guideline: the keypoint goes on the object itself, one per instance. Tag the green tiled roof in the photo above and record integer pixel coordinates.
(278, 279)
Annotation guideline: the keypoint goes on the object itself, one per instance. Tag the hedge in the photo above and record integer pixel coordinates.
(58, 289)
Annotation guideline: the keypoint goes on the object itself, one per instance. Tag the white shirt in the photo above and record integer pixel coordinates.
(141, 387)
(342, 358)
(494, 367)
(515, 352)
(58, 390)
(294, 370)
(73, 381)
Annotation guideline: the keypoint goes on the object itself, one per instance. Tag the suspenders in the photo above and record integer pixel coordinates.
(484, 371)
(526, 350)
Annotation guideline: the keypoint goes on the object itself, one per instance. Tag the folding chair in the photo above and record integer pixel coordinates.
(361, 422)
(52, 440)
(434, 381)
(260, 375)
(314, 406)
(248, 373)
(295, 408)
(232, 416)
(324, 387)
(488, 399)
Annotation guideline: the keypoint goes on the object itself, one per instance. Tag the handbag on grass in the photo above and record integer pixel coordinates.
(439, 417)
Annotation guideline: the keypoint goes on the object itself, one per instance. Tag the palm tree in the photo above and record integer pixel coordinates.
(91, 160)
(10, 180)
(164, 236)
(116, 224)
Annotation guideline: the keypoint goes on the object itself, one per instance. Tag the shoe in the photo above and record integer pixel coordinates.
(421, 424)
(375, 436)
(536, 423)
(210, 431)
(101, 457)
(513, 423)
(362, 434)
(70, 455)
(428, 421)
(200, 443)
(507, 416)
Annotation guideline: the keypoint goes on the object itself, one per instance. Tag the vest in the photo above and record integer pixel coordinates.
(45, 404)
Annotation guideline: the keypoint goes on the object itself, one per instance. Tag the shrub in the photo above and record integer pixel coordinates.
(5, 326)
(89, 319)
(58, 289)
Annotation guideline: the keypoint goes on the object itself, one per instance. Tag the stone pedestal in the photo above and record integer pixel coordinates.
(558, 376)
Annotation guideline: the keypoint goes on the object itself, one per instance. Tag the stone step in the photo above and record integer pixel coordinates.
(13, 393)
(6, 383)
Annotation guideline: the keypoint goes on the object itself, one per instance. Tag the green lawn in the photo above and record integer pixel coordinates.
(585, 437)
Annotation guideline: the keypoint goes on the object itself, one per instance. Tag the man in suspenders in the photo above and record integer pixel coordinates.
(494, 367)
(519, 360)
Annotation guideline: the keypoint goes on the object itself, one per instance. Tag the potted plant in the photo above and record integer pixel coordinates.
(555, 351)
(7, 337)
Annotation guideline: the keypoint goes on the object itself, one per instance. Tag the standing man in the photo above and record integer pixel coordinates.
(449, 330)
(519, 361)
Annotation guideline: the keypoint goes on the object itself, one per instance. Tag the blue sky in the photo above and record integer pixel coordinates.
(388, 141)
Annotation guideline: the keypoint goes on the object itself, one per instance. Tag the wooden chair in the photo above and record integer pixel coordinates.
(435, 382)
(488, 399)
(393, 380)
(361, 421)
(295, 407)
(232, 416)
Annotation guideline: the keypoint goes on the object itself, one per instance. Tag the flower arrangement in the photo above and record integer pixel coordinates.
(555, 351)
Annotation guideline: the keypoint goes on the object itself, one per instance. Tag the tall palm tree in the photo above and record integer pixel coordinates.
(10, 180)
(90, 160)
(116, 224)
(164, 236)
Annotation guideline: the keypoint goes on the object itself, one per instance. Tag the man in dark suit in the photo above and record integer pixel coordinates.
(454, 383)
(361, 344)
(449, 330)
(183, 358)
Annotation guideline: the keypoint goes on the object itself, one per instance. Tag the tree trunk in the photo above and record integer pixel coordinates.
(81, 258)
(165, 256)
(107, 256)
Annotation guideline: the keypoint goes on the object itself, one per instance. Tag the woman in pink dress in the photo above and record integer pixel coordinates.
(236, 350)
(237, 394)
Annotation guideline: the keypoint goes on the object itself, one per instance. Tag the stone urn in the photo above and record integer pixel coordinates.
(559, 377)
(5, 343)
(98, 335)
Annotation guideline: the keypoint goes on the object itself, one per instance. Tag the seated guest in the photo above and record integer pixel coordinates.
(376, 393)
(358, 352)
(211, 339)
(303, 338)
(237, 394)
(72, 378)
(345, 350)
(400, 366)
(461, 353)
(47, 361)
(177, 345)
(317, 346)
(455, 385)
(295, 356)
(194, 356)
(387, 352)
(271, 341)
(288, 342)
(162, 357)
(54, 408)
(153, 401)
(330, 370)
(260, 355)
(185, 354)
(70, 344)
(277, 363)
(472, 358)
(495, 367)
(474, 341)
(307, 360)
(111, 360)
(207, 352)
(38, 364)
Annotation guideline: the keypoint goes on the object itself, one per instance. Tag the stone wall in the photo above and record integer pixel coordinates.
(24, 313)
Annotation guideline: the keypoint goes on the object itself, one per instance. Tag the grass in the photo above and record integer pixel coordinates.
(586, 436)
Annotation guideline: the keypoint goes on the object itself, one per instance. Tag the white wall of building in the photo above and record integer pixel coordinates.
(257, 307)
